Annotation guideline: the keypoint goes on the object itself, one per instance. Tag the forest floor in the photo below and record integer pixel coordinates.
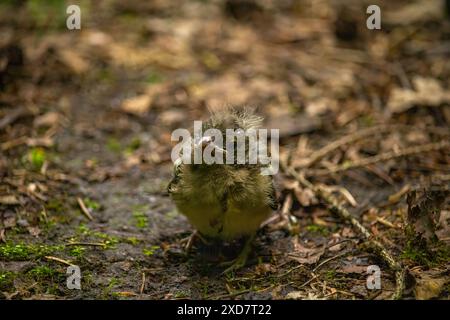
(86, 118)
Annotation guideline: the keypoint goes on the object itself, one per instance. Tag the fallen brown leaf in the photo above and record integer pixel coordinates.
(305, 255)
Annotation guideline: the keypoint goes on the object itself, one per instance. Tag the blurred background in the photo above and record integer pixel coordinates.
(86, 117)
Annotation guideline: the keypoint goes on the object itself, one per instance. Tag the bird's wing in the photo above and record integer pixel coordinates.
(176, 176)
(273, 201)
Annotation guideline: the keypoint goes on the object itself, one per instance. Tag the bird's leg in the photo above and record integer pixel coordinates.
(190, 240)
(241, 260)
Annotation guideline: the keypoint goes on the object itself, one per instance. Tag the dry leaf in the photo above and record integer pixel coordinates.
(424, 212)
(416, 12)
(295, 295)
(9, 200)
(48, 119)
(353, 268)
(305, 255)
(428, 92)
(137, 105)
(428, 287)
(74, 61)
(359, 290)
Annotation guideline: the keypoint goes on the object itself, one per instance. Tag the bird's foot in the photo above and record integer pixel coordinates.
(241, 260)
(235, 264)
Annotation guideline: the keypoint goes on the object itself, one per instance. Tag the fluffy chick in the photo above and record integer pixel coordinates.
(225, 201)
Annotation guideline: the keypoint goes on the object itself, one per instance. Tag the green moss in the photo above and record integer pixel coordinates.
(154, 77)
(6, 280)
(140, 218)
(150, 251)
(428, 253)
(42, 273)
(330, 274)
(55, 205)
(92, 204)
(133, 146)
(113, 145)
(314, 228)
(21, 251)
(178, 294)
(83, 229)
(77, 251)
(108, 240)
(132, 240)
(417, 255)
(48, 13)
(113, 282)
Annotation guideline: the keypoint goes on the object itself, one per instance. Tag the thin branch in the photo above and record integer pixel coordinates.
(352, 137)
(84, 209)
(66, 262)
(93, 244)
(141, 291)
(336, 208)
(384, 157)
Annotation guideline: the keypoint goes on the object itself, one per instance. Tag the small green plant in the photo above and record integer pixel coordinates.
(6, 279)
(21, 251)
(77, 251)
(140, 218)
(314, 228)
(112, 283)
(133, 146)
(150, 251)
(113, 145)
(55, 205)
(132, 240)
(92, 204)
(83, 229)
(42, 272)
(330, 275)
(154, 77)
(109, 241)
(36, 157)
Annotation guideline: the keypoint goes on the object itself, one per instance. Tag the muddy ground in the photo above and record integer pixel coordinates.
(85, 123)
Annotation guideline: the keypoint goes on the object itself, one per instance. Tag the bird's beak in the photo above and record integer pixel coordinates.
(204, 141)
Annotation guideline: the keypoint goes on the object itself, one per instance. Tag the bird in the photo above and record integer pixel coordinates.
(224, 202)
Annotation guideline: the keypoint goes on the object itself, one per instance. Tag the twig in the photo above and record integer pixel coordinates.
(385, 222)
(230, 295)
(384, 157)
(322, 152)
(141, 291)
(328, 260)
(308, 282)
(290, 270)
(336, 208)
(84, 209)
(93, 244)
(364, 133)
(66, 262)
